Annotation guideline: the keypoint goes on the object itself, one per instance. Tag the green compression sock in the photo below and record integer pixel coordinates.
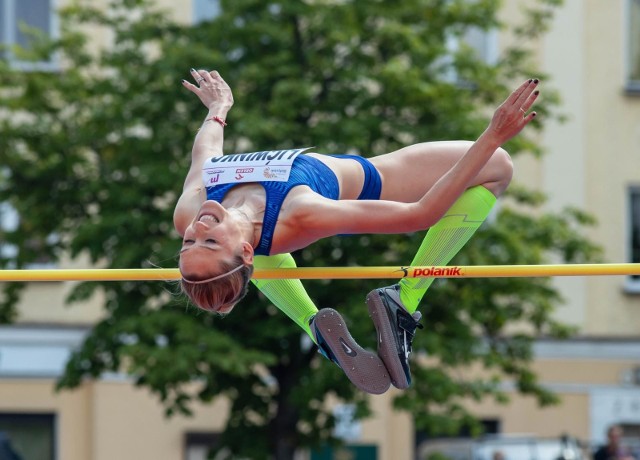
(288, 295)
(445, 239)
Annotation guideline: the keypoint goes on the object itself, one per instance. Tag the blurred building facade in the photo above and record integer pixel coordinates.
(592, 54)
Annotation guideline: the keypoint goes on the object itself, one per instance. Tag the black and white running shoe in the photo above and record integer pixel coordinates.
(396, 328)
(364, 368)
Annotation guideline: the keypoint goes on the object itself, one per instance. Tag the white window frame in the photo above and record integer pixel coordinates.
(632, 84)
(632, 284)
(10, 39)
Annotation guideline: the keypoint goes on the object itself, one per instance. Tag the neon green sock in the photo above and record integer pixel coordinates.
(445, 239)
(289, 295)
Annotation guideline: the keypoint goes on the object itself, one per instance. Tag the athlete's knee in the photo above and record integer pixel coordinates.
(499, 172)
(503, 166)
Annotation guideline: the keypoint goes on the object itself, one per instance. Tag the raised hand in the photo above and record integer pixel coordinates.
(511, 117)
(211, 89)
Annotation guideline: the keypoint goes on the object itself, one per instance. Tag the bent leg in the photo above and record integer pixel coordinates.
(326, 327)
(393, 308)
(445, 239)
(408, 173)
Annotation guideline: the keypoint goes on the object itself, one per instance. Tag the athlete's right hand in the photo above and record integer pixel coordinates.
(211, 89)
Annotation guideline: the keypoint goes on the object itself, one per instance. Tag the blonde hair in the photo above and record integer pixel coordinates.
(220, 293)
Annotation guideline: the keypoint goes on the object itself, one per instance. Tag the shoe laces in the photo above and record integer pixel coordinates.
(408, 335)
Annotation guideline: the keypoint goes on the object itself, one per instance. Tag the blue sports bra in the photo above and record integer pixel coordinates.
(309, 171)
(305, 170)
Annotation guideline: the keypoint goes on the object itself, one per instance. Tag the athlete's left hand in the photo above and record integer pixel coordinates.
(511, 117)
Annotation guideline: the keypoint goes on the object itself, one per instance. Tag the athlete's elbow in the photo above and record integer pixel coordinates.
(417, 220)
(425, 223)
(414, 223)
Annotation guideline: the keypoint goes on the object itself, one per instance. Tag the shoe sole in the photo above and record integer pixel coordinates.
(387, 349)
(364, 368)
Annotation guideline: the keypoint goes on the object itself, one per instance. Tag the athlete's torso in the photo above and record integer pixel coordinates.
(321, 174)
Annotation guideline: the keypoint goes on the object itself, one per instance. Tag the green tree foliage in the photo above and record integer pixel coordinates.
(93, 158)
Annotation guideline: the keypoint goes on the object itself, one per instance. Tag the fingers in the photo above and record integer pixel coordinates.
(198, 76)
(526, 105)
(202, 76)
(527, 98)
(513, 114)
(190, 86)
(218, 81)
(206, 76)
(525, 91)
(528, 118)
(523, 98)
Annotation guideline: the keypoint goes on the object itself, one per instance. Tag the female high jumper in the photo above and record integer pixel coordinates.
(245, 210)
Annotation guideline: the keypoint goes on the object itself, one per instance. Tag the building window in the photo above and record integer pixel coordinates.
(350, 451)
(198, 445)
(205, 10)
(633, 281)
(483, 44)
(15, 16)
(633, 46)
(9, 221)
(27, 436)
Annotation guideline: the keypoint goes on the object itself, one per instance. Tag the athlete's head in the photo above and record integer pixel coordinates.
(216, 260)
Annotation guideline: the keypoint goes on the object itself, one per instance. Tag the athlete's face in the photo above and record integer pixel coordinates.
(213, 236)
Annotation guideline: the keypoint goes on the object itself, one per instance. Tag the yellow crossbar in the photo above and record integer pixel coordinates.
(479, 271)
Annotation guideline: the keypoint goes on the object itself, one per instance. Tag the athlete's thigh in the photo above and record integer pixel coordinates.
(407, 174)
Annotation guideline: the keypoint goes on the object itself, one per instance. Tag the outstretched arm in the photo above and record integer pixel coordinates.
(509, 120)
(328, 217)
(216, 95)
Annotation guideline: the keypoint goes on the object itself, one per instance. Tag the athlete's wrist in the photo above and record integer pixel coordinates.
(490, 139)
(216, 119)
(219, 109)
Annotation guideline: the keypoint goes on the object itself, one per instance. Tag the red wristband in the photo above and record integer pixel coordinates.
(218, 120)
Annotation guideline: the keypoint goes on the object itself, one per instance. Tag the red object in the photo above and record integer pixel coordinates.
(218, 120)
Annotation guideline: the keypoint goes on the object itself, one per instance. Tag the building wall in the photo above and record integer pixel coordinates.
(611, 133)
(109, 419)
(595, 380)
(591, 160)
(563, 170)
(594, 156)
